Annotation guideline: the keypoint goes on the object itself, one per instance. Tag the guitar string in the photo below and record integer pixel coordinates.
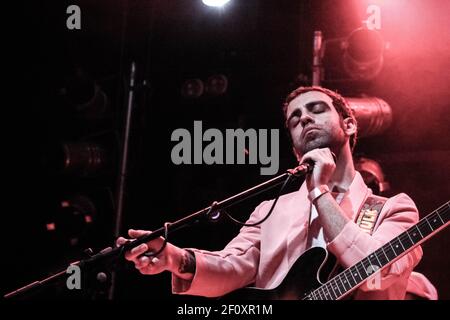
(423, 222)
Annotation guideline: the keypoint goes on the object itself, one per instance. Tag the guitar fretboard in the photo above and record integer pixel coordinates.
(389, 252)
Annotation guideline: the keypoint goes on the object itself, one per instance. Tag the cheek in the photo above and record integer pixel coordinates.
(295, 133)
(333, 125)
(337, 129)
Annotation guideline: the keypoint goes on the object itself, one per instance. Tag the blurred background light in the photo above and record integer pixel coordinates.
(215, 3)
(73, 219)
(192, 88)
(216, 85)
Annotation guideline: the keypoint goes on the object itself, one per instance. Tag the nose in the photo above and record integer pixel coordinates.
(305, 119)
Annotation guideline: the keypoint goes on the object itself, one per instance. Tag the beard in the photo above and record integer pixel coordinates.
(332, 139)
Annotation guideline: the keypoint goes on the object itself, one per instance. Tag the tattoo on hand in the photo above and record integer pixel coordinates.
(187, 264)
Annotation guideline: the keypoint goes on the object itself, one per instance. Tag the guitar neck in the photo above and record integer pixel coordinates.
(353, 277)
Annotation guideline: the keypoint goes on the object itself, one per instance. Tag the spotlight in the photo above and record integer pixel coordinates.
(216, 85)
(74, 218)
(84, 158)
(78, 159)
(79, 218)
(373, 115)
(372, 174)
(92, 156)
(363, 54)
(215, 3)
(84, 95)
(192, 88)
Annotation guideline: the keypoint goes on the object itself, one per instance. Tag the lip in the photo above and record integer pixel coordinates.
(305, 132)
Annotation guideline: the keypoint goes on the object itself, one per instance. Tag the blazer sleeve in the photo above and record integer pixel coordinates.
(234, 267)
(352, 244)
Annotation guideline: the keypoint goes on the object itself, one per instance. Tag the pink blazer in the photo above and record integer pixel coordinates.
(264, 254)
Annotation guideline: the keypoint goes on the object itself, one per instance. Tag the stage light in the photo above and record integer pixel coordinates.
(84, 95)
(84, 158)
(215, 3)
(79, 159)
(192, 88)
(363, 54)
(373, 115)
(74, 218)
(216, 85)
(92, 156)
(372, 174)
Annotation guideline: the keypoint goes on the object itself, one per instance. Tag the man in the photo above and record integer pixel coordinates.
(322, 213)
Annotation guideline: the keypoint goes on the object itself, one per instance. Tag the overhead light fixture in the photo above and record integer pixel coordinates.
(363, 54)
(373, 115)
(215, 3)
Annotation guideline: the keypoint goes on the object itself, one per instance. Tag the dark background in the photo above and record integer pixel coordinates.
(264, 49)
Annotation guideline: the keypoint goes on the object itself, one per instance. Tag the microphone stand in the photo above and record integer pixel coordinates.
(123, 170)
(109, 255)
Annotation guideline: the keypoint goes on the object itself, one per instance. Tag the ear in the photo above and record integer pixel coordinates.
(349, 126)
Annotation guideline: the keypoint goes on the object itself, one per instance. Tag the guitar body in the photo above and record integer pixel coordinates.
(312, 270)
(308, 272)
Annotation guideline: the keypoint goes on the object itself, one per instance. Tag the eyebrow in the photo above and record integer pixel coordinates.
(308, 106)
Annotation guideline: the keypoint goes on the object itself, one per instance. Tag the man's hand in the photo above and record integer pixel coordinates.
(171, 258)
(324, 167)
(332, 217)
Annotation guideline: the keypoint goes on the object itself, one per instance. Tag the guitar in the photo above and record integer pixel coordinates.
(305, 279)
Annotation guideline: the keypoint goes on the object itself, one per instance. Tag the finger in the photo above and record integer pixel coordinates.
(154, 260)
(331, 154)
(135, 252)
(147, 265)
(326, 151)
(328, 156)
(142, 262)
(121, 241)
(316, 155)
(309, 157)
(138, 233)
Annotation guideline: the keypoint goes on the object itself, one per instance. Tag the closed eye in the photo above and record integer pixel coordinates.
(317, 107)
(294, 118)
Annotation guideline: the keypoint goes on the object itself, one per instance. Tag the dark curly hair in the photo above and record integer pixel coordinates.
(341, 105)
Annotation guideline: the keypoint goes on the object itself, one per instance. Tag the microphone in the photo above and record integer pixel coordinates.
(307, 166)
(302, 169)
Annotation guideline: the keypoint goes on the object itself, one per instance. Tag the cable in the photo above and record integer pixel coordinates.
(163, 246)
(211, 209)
(268, 214)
